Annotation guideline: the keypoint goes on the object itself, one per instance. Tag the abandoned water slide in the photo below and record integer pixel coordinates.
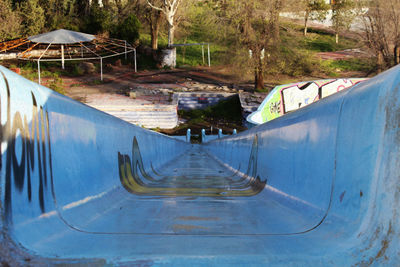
(316, 187)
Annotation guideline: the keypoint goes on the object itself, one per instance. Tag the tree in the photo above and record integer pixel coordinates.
(275, 8)
(257, 31)
(32, 16)
(314, 10)
(343, 15)
(82, 8)
(100, 20)
(394, 15)
(382, 31)
(169, 8)
(154, 18)
(128, 29)
(9, 21)
(61, 14)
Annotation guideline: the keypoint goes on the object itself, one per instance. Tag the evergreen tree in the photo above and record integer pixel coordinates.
(9, 21)
(61, 14)
(32, 15)
(128, 29)
(99, 20)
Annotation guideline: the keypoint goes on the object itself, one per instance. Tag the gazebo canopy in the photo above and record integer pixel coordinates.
(64, 45)
(62, 37)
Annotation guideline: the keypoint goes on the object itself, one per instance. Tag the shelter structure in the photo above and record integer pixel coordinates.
(64, 45)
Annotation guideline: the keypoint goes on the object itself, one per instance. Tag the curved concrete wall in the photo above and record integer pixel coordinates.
(340, 155)
(331, 195)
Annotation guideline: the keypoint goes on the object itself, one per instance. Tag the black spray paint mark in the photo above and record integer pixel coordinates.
(33, 144)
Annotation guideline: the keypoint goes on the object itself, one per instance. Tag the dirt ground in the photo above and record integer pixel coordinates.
(122, 79)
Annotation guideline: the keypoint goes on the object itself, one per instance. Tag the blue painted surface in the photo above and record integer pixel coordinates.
(103, 189)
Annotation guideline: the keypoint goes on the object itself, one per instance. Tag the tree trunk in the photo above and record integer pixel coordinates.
(259, 77)
(337, 38)
(154, 39)
(259, 81)
(118, 3)
(397, 54)
(275, 26)
(154, 28)
(379, 61)
(106, 4)
(171, 32)
(278, 4)
(305, 23)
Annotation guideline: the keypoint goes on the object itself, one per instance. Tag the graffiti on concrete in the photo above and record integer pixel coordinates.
(290, 97)
(27, 151)
(136, 180)
(295, 97)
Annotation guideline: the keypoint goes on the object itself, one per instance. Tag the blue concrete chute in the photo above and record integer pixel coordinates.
(316, 187)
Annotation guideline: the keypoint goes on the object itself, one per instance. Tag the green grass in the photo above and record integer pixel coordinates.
(193, 55)
(352, 64)
(145, 39)
(228, 109)
(297, 55)
(324, 42)
(187, 56)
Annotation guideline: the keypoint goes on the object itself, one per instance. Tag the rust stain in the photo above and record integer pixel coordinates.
(187, 227)
(384, 246)
(385, 242)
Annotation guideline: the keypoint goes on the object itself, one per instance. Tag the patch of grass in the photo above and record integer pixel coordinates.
(228, 109)
(324, 42)
(352, 64)
(56, 84)
(72, 70)
(193, 55)
(95, 82)
(185, 56)
(297, 56)
(145, 39)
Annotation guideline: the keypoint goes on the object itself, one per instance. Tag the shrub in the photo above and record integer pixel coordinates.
(128, 29)
(99, 20)
(57, 85)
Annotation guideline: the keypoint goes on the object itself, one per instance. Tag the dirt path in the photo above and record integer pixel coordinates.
(121, 80)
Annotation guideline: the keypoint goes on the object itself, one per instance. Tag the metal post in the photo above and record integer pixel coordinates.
(234, 131)
(202, 53)
(209, 57)
(62, 56)
(219, 133)
(101, 68)
(82, 51)
(38, 64)
(188, 135)
(134, 51)
(203, 135)
(125, 52)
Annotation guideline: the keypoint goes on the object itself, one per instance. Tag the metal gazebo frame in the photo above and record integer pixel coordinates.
(86, 47)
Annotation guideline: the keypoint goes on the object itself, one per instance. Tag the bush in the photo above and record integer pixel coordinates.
(128, 29)
(99, 20)
(56, 84)
(302, 63)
